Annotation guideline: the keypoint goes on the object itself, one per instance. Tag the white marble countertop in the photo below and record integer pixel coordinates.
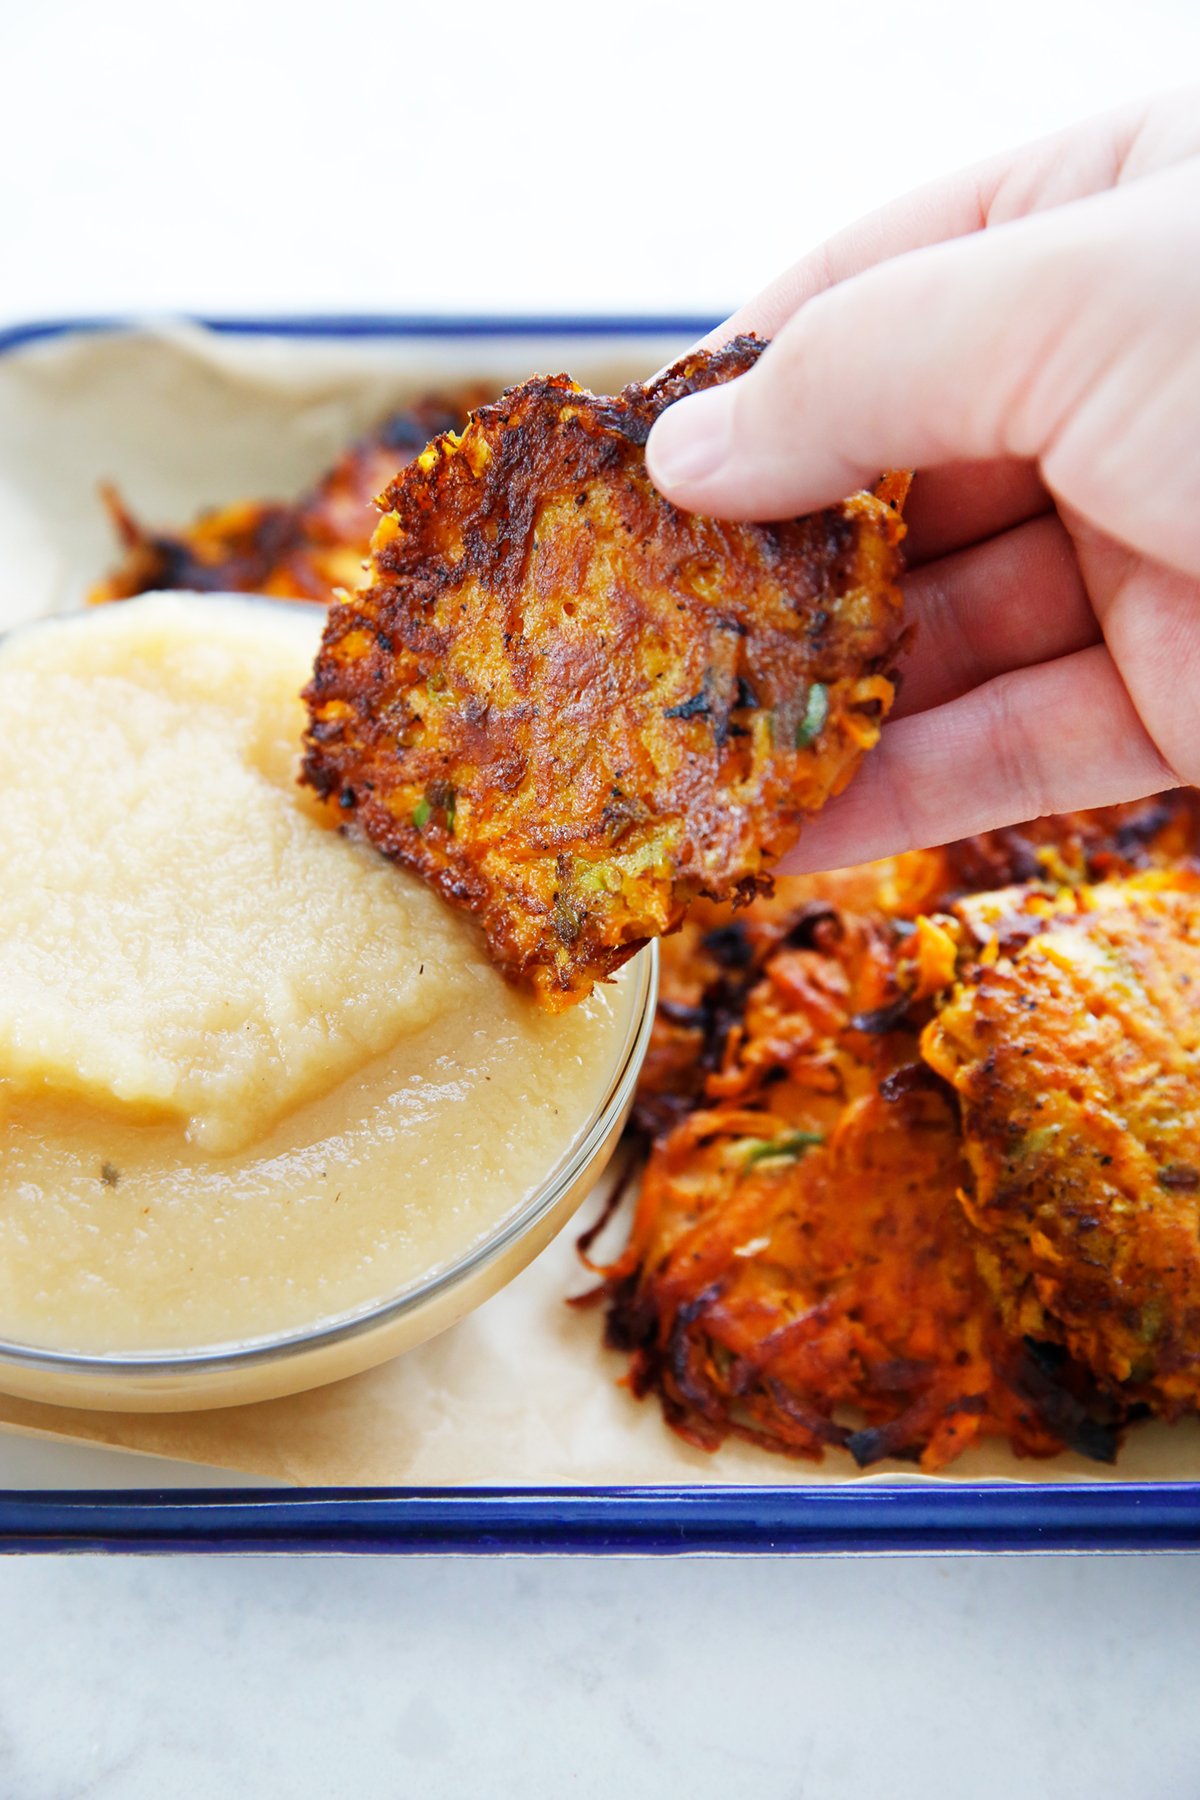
(803, 1680)
(254, 156)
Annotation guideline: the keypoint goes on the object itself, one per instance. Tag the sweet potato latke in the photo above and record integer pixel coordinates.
(800, 1269)
(1073, 1044)
(572, 708)
(300, 550)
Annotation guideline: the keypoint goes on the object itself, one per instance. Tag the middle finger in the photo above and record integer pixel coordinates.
(1016, 600)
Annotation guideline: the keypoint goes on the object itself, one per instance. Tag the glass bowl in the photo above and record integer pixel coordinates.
(233, 1374)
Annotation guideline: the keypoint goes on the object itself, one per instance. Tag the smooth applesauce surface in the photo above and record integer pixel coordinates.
(252, 1077)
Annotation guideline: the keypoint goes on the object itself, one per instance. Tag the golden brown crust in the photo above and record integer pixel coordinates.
(1073, 1043)
(798, 1271)
(574, 709)
(300, 550)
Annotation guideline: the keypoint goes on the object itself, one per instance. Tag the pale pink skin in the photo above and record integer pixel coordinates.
(1027, 337)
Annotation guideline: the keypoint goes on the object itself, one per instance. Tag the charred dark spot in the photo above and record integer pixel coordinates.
(911, 1078)
(881, 1018)
(729, 945)
(878, 1441)
(697, 707)
(321, 778)
(629, 1326)
(568, 921)
(655, 1115)
(1067, 1401)
(325, 731)
(814, 919)
(1094, 1439)
(680, 1348)
(1133, 835)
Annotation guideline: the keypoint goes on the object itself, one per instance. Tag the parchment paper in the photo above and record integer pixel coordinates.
(522, 1392)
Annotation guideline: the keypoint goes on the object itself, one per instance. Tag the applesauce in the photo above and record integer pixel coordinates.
(252, 1077)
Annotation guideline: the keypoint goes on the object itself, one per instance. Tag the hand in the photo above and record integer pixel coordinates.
(1027, 337)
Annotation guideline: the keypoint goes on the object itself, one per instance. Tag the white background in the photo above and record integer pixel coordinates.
(265, 154)
(244, 156)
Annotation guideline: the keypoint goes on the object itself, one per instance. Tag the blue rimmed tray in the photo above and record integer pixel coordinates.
(856, 1519)
(847, 1517)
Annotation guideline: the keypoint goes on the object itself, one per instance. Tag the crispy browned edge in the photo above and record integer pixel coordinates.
(507, 508)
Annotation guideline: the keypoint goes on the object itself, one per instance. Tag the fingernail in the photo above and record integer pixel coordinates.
(691, 440)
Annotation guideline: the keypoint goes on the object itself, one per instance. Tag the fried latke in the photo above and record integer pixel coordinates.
(574, 709)
(300, 550)
(799, 1272)
(1073, 1043)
